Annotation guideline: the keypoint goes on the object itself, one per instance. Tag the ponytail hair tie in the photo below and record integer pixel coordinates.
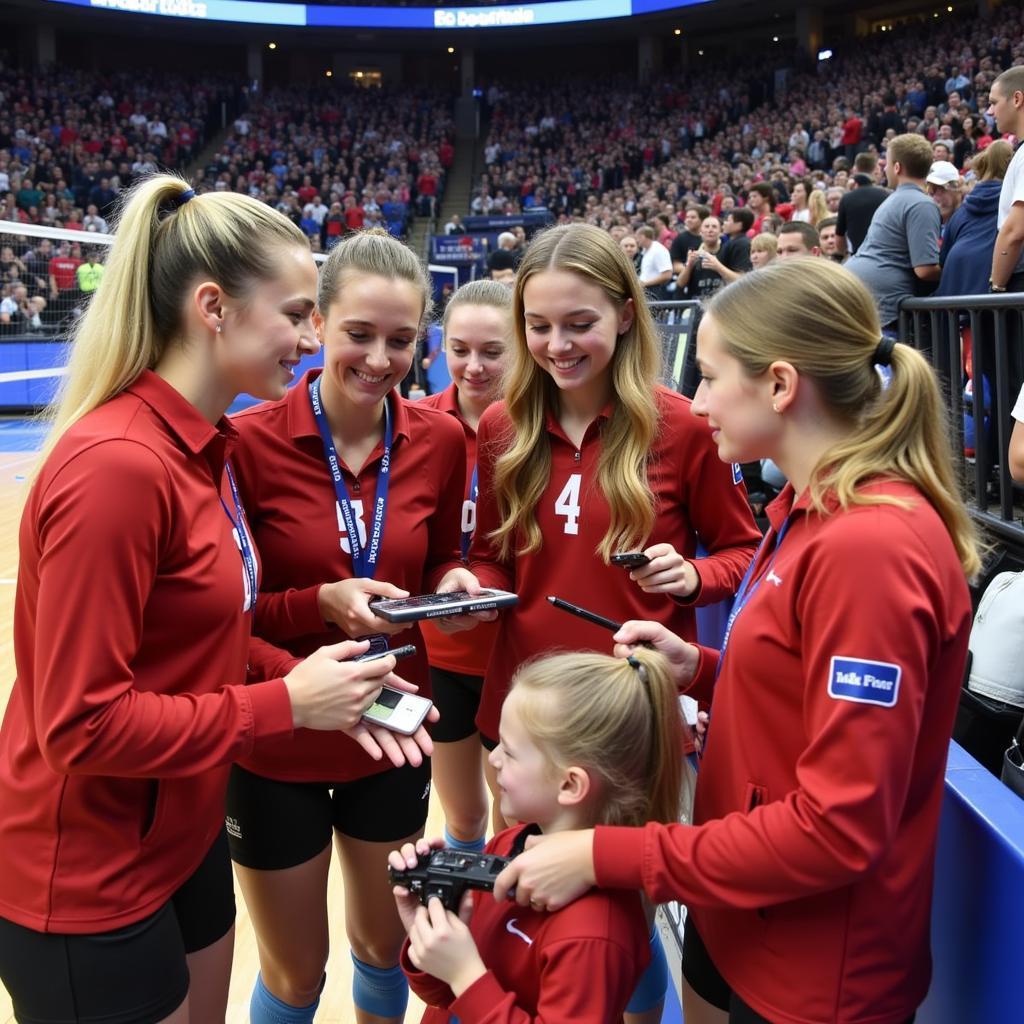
(641, 671)
(178, 201)
(883, 353)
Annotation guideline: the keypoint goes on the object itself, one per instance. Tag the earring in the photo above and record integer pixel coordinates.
(220, 328)
(775, 407)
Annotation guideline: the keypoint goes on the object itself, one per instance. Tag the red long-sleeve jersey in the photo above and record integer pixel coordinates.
(696, 496)
(128, 624)
(809, 868)
(580, 964)
(469, 651)
(289, 496)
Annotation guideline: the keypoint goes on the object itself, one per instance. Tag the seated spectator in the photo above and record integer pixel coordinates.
(736, 255)
(902, 245)
(761, 200)
(455, 226)
(689, 238)
(11, 267)
(798, 238)
(944, 186)
(827, 238)
(92, 221)
(15, 312)
(763, 248)
(628, 245)
(702, 276)
(504, 256)
(970, 235)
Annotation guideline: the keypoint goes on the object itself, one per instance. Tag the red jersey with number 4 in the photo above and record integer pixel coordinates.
(809, 869)
(289, 496)
(467, 652)
(580, 964)
(697, 496)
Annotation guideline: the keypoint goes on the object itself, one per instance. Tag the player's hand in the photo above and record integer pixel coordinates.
(553, 871)
(667, 572)
(346, 603)
(462, 579)
(683, 657)
(441, 945)
(700, 730)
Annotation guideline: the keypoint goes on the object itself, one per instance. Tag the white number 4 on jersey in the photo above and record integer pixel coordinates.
(568, 504)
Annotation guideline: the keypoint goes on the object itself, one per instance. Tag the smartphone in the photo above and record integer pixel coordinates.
(435, 606)
(398, 711)
(630, 559)
(399, 652)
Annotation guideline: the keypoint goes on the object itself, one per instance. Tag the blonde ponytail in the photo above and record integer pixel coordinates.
(618, 719)
(165, 239)
(818, 317)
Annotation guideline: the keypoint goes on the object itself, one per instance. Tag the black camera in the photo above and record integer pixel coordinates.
(447, 874)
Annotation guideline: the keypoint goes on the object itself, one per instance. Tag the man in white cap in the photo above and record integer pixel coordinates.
(943, 185)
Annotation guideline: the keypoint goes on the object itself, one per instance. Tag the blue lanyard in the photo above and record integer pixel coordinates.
(467, 535)
(364, 562)
(241, 535)
(747, 589)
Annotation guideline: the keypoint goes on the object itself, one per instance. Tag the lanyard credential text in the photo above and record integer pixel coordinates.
(364, 560)
(242, 539)
(748, 589)
(467, 527)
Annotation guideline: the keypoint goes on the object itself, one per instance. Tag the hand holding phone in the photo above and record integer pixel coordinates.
(398, 711)
(629, 559)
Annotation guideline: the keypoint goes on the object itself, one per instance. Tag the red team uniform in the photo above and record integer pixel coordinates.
(118, 738)
(814, 899)
(696, 496)
(288, 491)
(466, 652)
(580, 964)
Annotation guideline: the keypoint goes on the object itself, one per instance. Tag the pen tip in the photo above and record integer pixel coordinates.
(552, 598)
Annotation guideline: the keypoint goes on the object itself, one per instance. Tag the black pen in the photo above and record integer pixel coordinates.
(575, 609)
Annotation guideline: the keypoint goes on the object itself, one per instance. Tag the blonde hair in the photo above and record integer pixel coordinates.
(478, 293)
(817, 205)
(992, 162)
(162, 246)
(521, 473)
(765, 242)
(619, 720)
(373, 251)
(818, 317)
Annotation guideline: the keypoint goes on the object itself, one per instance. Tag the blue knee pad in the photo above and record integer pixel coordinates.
(266, 1008)
(465, 845)
(653, 984)
(379, 990)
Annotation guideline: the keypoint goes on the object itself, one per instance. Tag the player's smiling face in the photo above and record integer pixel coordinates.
(369, 335)
(572, 329)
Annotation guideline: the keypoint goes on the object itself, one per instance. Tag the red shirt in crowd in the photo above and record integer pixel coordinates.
(809, 868)
(289, 496)
(581, 964)
(696, 496)
(131, 646)
(62, 270)
(467, 652)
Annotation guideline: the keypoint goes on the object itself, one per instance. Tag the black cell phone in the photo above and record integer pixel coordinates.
(630, 559)
(435, 606)
(405, 651)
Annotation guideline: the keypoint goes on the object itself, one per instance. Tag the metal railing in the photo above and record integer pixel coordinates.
(677, 324)
(939, 328)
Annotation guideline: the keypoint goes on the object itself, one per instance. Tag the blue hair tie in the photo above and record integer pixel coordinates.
(180, 200)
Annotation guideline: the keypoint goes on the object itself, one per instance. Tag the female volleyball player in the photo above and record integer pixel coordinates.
(353, 493)
(808, 871)
(136, 584)
(477, 326)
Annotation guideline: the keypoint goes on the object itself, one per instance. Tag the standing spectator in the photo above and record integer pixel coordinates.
(763, 249)
(944, 186)
(736, 256)
(628, 245)
(966, 254)
(798, 239)
(827, 239)
(1006, 99)
(62, 271)
(853, 128)
(902, 244)
(655, 262)
(89, 274)
(761, 200)
(455, 226)
(92, 221)
(689, 237)
(858, 206)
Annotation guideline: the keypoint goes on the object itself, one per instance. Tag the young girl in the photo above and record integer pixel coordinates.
(584, 739)
(476, 336)
(381, 523)
(808, 872)
(589, 456)
(132, 621)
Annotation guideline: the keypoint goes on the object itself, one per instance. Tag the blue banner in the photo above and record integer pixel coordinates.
(455, 250)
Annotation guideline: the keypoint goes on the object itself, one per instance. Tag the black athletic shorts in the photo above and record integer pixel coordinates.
(273, 825)
(704, 979)
(134, 975)
(457, 696)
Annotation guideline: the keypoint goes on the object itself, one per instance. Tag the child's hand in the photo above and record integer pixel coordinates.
(441, 945)
(400, 860)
